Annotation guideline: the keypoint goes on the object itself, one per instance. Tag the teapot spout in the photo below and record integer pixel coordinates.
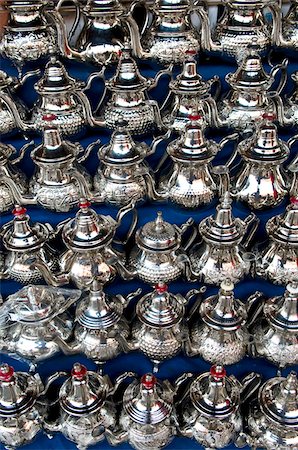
(63, 43)
(50, 278)
(20, 123)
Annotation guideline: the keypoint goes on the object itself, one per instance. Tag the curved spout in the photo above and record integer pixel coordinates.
(18, 196)
(213, 112)
(153, 194)
(24, 126)
(22, 152)
(88, 115)
(50, 278)
(88, 150)
(284, 74)
(63, 43)
(283, 120)
(122, 213)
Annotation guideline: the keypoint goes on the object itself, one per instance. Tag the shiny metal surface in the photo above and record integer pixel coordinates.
(288, 33)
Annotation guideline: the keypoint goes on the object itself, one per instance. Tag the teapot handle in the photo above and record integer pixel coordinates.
(147, 18)
(121, 213)
(276, 22)
(77, 17)
(179, 382)
(255, 304)
(215, 81)
(284, 74)
(292, 166)
(196, 304)
(120, 379)
(192, 237)
(251, 221)
(250, 385)
(80, 179)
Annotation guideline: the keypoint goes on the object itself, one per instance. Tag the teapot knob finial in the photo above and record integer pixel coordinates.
(6, 372)
(218, 372)
(19, 211)
(78, 372)
(84, 203)
(148, 381)
(161, 287)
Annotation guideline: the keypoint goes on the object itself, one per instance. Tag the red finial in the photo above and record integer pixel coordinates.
(194, 117)
(84, 203)
(269, 116)
(6, 372)
(49, 117)
(161, 288)
(119, 53)
(190, 52)
(294, 200)
(78, 371)
(19, 211)
(218, 372)
(148, 381)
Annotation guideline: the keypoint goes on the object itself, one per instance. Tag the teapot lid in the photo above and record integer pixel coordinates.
(214, 394)
(282, 311)
(98, 310)
(223, 311)
(84, 392)
(97, 7)
(144, 401)
(192, 145)
(55, 78)
(284, 227)
(189, 81)
(223, 228)
(127, 75)
(21, 235)
(123, 149)
(278, 399)
(158, 235)
(88, 229)
(53, 148)
(172, 5)
(160, 308)
(265, 146)
(18, 391)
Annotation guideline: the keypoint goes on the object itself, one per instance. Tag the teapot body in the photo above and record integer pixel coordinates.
(289, 27)
(277, 262)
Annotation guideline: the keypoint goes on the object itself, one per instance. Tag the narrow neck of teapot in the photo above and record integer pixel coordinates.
(21, 226)
(225, 305)
(81, 394)
(194, 137)
(216, 394)
(10, 392)
(289, 307)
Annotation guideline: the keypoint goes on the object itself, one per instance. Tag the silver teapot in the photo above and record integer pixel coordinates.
(222, 252)
(288, 28)
(30, 32)
(168, 31)
(191, 180)
(101, 331)
(86, 407)
(59, 180)
(89, 239)
(211, 407)
(128, 98)
(26, 243)
(148, 419)
(250, 96)
(273, 421)
(220, 330)
(275, 331)
(158, 255)
(261, 181)
(33, 320)
(21, 407)
(106, 26)
(159, 329)
(11, 178)
(278, 260)
(189, 92)
(123, 173)
(289, 109)
(241, 23)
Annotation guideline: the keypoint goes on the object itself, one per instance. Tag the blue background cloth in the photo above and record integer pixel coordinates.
(171, 369)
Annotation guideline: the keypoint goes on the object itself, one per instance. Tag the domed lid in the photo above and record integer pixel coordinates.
(98, 7)
(99, 311)
(53, 148)
(123, 149)
(192, 145)
(127, 75)
(160, 308)
(215, 394)
(18, 391)
(158, 235)
(278, 399)
(144, 401)
(189, 81)
(84, 392)
(223, 311)
(88, 229)
(284, 227)
(265, 146)
(37, 304)
(55, 78)
(250, 73)
(172, 5)
(282, 311)
(223, 228)
(21, 235)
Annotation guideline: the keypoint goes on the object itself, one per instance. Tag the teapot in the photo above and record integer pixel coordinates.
(33, 319)
(158, 255)
(89, 239)
(106, 26)
(123, 173)
(86, 407)
(159, 329)
(30, 32)
(101, 331)
(250, 96)
(11, 178)
(26, 243)
(147, 419)
(288, 29)
(210, 410)
(273, 421)
(128, 98)
(189, 92)
(241, 23)
(220, 333)
(59, 180)
(276, 328)
(278, 260)
(261, 181)
(192, 181)
(168, 31)
(21, 407)
(289, 109)
(222, 254)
